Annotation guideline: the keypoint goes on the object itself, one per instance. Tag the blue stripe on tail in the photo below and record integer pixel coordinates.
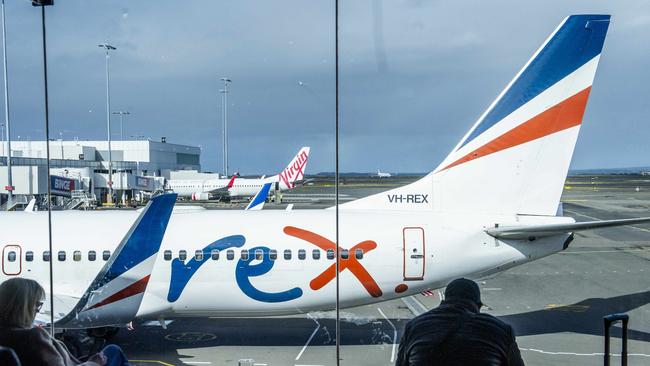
(145, 238)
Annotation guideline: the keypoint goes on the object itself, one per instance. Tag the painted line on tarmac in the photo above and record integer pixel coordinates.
(608, 251)
(392, 354)
(597, 219)
(197, 362)
(151, 361)
(414, 305)
(599, 354)
(310, 337)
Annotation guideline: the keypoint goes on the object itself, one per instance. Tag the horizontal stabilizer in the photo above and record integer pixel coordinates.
(539, 231)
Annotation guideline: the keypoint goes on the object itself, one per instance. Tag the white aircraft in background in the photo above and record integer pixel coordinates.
(381, 174)
(489, 206)
(289, 178)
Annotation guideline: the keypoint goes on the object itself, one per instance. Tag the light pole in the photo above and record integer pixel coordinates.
(224, 131)
(122, 113)
(107, 47)
(10, 186)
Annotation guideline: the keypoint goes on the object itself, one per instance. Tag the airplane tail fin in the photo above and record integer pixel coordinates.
(114, 297)
(295, 171)
(257, 203)
(515, 158)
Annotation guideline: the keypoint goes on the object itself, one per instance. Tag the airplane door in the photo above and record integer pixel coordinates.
(11, 256)
(414, 250)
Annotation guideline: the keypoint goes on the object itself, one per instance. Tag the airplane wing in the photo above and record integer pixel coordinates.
(114, 297)
(257, 203)
(540, 231)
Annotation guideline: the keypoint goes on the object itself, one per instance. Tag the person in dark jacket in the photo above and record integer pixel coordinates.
(20, 300)
(457, 333)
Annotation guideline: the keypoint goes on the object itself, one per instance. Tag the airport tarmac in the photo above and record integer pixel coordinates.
(555, 304)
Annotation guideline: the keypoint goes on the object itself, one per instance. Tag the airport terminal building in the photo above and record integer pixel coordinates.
(80, 168)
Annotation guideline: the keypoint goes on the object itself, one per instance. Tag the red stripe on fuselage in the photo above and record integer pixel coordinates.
(561, 116)
(128, 291)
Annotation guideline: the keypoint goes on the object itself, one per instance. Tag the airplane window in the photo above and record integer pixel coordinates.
(315, 254)
(330, 253)
(230, 254)
(182, 255)
(92, 255)
(214, 254)
(29, 256)
(46, 256)
(11, 256)
(273, 254)
(198, 255)
(301, 254)
(76, 255)
(106, 254)
(358, 253)
(259, 254)
(244, 255)
(61, 256)
(287, 254)
(345, 254)
(167, 255)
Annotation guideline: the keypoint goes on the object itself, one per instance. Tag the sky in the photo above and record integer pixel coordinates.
(414, 76)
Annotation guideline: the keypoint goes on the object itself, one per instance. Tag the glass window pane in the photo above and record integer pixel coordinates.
(273, 254)
(287, 254)
(167, 255)
(198, 255)
(214, 254)
(358, 253)
(106, 254)
(330, 253)
(29, 256)
(46, 256)
(182, 255)
(11, 256)
(315, 254)
(244, 255)
(344, 254)
(259, 254)
(76, 255)
(230, 254)
(302, 254)
(92, 255)
(61, 255)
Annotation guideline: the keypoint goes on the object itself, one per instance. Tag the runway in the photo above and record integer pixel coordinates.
(555, 304)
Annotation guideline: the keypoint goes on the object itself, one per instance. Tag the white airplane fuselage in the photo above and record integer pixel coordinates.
(412, 251)
(241, 187)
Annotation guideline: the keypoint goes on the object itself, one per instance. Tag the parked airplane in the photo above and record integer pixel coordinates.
(381, 174)
(489, 206)
(288, 179)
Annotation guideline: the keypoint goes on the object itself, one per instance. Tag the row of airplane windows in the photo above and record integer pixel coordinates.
(199, 255)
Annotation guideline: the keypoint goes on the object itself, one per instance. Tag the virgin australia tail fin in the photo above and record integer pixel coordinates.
(515, 158)
(295, 171)
(114, 297)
